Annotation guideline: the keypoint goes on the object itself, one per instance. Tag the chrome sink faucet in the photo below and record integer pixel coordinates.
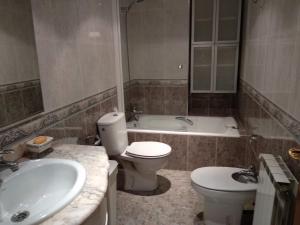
(250, 173)
(4, 164)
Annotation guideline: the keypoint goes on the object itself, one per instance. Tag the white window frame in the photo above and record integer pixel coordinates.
(214, 44)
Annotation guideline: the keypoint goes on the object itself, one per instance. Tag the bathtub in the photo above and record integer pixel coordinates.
(204, 126)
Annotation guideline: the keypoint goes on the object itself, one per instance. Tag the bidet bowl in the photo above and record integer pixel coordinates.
(39, 189)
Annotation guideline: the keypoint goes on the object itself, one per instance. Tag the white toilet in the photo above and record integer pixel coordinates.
(141, 160)
(224, 198)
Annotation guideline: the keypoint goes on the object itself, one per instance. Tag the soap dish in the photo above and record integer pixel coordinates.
(38, 148)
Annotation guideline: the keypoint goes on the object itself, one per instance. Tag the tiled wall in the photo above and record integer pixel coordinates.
(83, 124)
(170, 97)
(158, 50)
(191, 152)
(212, 104)
(269, 125)
(158, 39)
(161, 97)
(20, 101)
(271, 51)
(76, 120)
(269, 97)
(75, 45)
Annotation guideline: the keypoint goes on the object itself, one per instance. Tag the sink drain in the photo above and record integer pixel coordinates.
(19, 216)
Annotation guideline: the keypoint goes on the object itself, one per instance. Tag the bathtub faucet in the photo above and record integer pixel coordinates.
(182, 118)
(4, 164)
(135, 114)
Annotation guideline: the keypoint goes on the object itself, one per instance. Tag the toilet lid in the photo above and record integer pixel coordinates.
(148, 149)
(219, 179)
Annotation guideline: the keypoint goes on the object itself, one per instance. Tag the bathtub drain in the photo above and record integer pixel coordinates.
(19, 216)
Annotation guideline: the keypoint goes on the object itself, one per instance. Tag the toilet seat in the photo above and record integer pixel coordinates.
(148, 150)
(219, 179)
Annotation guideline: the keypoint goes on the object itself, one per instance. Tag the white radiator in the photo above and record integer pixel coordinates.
(276, 192)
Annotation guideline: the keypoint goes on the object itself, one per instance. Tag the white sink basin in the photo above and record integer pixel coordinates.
(39, 189)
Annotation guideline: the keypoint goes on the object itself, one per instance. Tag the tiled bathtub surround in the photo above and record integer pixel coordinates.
(162, 97)
(158, 39)
(19, 101)
(212, 104)
(191, 152)
(75, 120)
(268, 123)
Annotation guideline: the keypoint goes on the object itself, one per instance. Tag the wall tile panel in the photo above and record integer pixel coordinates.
(201, 152)
(231, 152)
(178, 157)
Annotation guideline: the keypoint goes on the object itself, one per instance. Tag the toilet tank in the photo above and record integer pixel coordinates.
(113, 133)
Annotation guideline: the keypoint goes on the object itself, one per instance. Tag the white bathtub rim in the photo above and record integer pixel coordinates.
(231, 133)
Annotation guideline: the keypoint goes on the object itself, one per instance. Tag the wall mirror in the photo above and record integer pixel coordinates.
(20, 89)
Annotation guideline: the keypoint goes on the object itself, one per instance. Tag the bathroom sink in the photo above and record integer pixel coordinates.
(39, 189)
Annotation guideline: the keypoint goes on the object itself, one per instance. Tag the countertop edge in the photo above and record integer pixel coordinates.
(95, 160)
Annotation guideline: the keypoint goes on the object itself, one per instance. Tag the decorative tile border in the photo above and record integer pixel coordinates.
(20, 85)
(156, 82)
(289, 122)
(49, 119)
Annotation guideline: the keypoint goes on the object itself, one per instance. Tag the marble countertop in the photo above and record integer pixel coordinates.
(95, 161)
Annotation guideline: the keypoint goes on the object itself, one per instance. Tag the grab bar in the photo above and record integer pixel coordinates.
(182, 118)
